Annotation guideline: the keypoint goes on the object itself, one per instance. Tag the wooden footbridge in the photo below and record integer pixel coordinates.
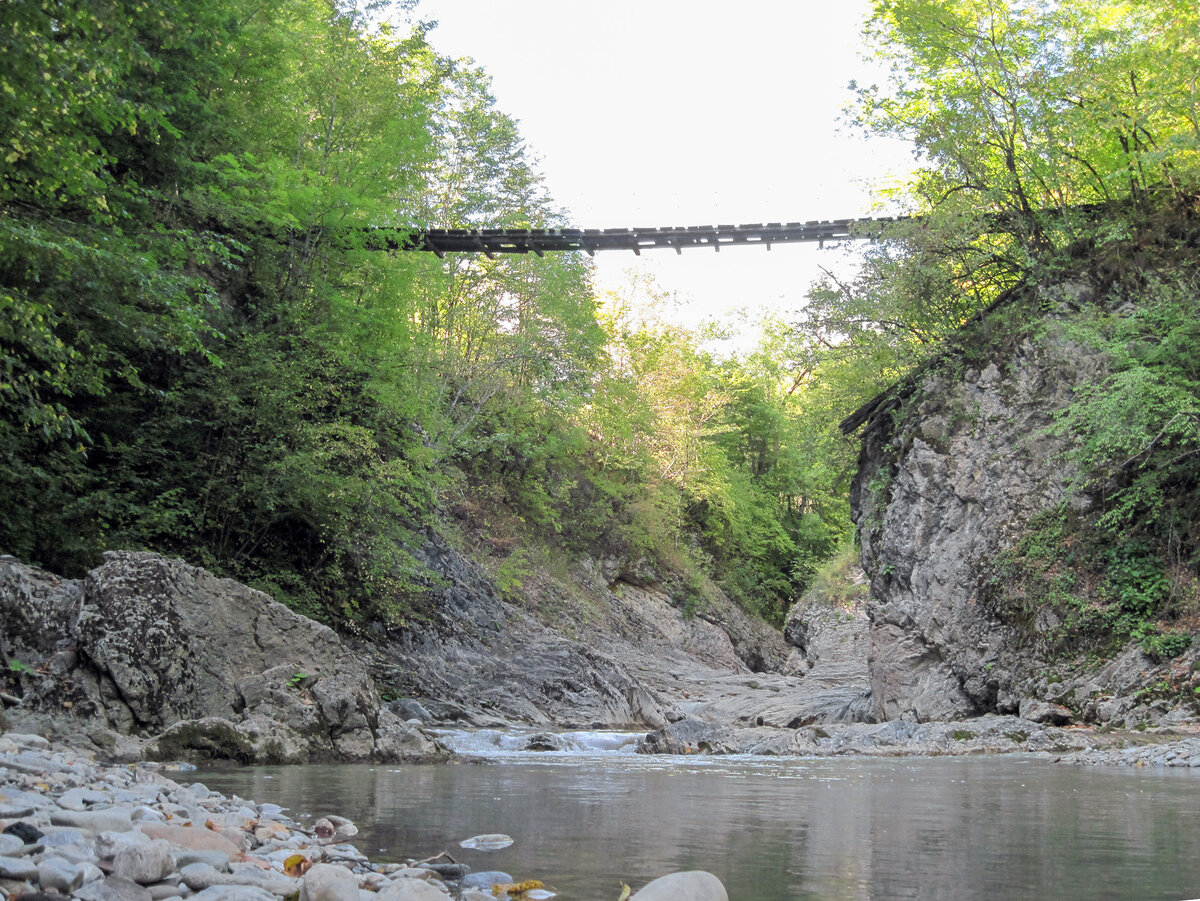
(493, 241)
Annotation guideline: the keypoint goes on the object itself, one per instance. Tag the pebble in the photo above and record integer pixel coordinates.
(72, 827)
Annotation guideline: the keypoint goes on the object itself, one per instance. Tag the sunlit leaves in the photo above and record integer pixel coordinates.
(1036, 105)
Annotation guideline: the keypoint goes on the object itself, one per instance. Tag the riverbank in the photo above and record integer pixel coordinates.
(72, 826)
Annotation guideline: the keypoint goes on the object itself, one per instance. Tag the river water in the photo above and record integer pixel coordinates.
(773, 829)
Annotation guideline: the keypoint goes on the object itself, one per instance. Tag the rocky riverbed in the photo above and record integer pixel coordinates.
(73, 827)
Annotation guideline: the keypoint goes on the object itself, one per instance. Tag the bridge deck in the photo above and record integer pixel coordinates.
(492, 241)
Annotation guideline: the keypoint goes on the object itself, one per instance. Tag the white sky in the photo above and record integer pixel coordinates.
(685, 112)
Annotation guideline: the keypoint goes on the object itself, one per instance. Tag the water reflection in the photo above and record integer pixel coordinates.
(777, 830)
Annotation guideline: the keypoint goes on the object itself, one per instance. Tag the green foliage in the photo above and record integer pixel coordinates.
(1138, 429)
(1025, 108)
(1098, 591)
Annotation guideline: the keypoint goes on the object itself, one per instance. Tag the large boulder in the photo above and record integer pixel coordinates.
(152, 646)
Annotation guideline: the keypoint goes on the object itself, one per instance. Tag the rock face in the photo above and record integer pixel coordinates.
(632, 659)
(949, 476)
(831, 646)
(155, 648)
(478, 660)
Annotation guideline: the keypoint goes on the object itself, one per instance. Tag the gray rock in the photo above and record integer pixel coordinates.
(486, 879)
(10, 845)
(83, 798)
(409, 709)
(413, 890)
(164, 890)
(160, 643)
(19, 868)
(55, 874)
(234, 893)
(112, 819)
(687, 736)
(694, 885)
(112, 888)
(65, 836)
(107, 844)
(218, 860)
(201, 876)
(144, 864)
(329, 882)
(1042, 712)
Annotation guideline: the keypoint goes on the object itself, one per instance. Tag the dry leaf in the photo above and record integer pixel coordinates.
(626, 891)
(296, 865)
(516, 888)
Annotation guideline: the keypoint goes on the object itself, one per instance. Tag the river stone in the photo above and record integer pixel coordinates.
(110, 819)
(233, 893)
(83, 798)
(694, 885)
(64, 836)
(200, 876)
(107, 844)
(26, 832)
(142, 812)
(19, 868)
(146, 863)
(195, 838)
(447, 870)
(10, 845)
(58, 875)
(329, 882)
(218, 860)
(111, 888)
(486, 879)
(164, 890)
(411, 890)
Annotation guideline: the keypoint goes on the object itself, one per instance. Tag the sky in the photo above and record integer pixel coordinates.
(648, 113)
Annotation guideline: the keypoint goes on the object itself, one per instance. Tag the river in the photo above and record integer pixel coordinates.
(773, 829)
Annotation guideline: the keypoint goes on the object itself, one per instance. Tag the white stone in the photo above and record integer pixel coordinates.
(10, 845)
(694, 885)
(17, 868)
(412, 890)
(329, 882)
(111, 819)
(144, 864)
(107, 844)
(56, 874)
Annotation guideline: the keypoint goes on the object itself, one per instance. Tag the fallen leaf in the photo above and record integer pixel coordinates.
(296, 865)
(516, 888)
(626, 891)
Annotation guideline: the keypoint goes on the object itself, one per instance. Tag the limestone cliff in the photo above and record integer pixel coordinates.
(954, 465)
